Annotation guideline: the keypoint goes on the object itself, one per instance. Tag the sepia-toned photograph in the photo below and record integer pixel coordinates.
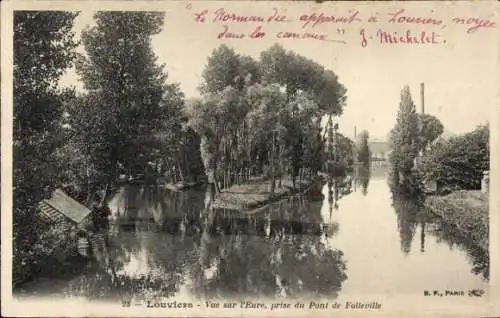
(248, 157)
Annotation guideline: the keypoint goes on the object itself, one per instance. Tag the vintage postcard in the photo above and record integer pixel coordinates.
(250, 158)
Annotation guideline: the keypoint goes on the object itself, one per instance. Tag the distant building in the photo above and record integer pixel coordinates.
(62, 208)
(379, 149)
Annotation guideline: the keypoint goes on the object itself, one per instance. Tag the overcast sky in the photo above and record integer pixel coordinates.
(460, 76)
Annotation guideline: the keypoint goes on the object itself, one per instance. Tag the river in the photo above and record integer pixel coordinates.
(357, 240)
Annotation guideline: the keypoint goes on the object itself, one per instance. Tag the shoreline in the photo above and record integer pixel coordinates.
(251, 196)
(468, 211)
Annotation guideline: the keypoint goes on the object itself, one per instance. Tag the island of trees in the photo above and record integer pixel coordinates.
(255, 119)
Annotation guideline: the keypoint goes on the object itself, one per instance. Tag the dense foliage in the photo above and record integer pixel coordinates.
(405, 144)
(254, 118)
(419, 154)
(128, 121)
(458, 163)
(345, 150)
(404, 136)
(128, 108)
(430, 128)
(263, 116)
(43, 49)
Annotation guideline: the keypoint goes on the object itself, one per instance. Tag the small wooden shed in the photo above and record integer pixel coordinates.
(62, 208)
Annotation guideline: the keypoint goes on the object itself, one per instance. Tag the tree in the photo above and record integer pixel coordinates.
(404, 136)
(298, 74)
(458, 163)
(128, 102)
(364, 153)
(312, 92)
(282, 98)
(274, 65)
(329, 93)
(430, 128)
(215, 118)
(249, 72)
(226, 68)
(265, 103)
(224, 133)
(345, 147)
(43, 48)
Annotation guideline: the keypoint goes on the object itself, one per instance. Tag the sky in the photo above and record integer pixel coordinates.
(460, 75)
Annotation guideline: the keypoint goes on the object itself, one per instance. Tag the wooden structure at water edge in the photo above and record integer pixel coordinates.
(62, 208)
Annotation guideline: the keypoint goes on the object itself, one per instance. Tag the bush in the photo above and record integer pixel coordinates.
(458, 163)
(45, 257)
(467, 210)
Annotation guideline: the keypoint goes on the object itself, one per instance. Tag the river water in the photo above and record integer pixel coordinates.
(357, 240)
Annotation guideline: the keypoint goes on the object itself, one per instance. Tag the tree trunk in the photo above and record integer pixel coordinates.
(179, 168)
(89, 185)
(227, 177)
(91, 195)
(223, 183)
(166, 171)
(273, 172)
(230, 172)
(280, 166)
(213, 191)
(185, 166)
(105, 196)
(217, 187)
(212, 180)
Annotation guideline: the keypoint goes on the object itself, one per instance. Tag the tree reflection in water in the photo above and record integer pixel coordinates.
(147, 249)
(410, 215)
(362, 175)
(160, 241)
(339, 187)
(407, 211)
(478, 257)
(276, 253)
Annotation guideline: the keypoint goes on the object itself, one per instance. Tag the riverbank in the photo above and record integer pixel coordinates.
(256, 194)
(179, 186)
(466, 210)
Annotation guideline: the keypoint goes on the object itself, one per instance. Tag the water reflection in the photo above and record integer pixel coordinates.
(362, 178)
(338, 187)
(290, 261)
(411, 217)
(406, 211)
(163, 243)
(447, 234)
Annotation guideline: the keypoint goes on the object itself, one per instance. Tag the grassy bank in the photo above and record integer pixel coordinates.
(257, 193)
(467, 210)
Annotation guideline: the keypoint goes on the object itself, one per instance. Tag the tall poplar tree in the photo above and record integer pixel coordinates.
(404, 136)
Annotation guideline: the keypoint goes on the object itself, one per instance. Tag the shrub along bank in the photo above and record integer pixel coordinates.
(468, 211)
